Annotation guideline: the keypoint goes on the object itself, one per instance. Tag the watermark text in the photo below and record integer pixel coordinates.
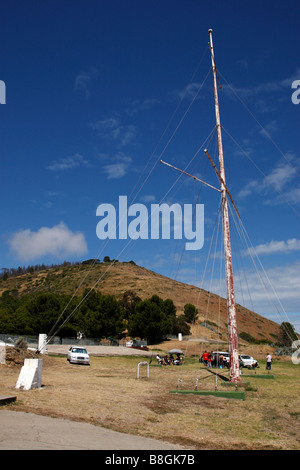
(164, 222)
(296, 94)
(2, 92)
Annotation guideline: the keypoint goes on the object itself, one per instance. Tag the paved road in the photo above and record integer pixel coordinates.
(27, 431)
(100, 350)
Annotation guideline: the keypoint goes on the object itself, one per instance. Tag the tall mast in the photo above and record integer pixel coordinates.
(231, 311)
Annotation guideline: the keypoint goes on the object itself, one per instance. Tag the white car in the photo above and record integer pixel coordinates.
(78, 355)
(248, 361)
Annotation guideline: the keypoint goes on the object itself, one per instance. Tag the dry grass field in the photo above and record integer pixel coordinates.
(108, 393)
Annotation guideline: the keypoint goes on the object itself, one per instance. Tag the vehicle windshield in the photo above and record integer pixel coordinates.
(80, 350)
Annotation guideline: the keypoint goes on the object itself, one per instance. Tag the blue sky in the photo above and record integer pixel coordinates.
(97, 92)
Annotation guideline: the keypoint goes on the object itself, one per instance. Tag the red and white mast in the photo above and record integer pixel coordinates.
(231, 311)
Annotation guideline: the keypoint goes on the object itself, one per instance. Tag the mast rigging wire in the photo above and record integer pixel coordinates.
(250, 249)
(262, 173)
(262, 127)
(153, 167)
(50, 337)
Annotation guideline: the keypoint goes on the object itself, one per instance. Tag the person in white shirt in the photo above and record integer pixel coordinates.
(269, 361)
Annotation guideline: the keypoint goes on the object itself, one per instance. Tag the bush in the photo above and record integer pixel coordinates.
(190, 313)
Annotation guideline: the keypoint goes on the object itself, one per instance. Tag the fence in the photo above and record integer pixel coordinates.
(12, 339)
(33, 341)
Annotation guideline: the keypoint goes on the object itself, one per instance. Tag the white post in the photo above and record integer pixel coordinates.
(42, 343)
(2, 353)
(142, 364)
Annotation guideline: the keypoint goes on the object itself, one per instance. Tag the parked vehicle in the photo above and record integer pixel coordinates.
(247, 361)
(137, 344)
(78, 355)
(220, 358)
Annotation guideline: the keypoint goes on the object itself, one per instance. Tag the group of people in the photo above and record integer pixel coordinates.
(169, 360)
(208, 359)
(217, 360)
(213, 360)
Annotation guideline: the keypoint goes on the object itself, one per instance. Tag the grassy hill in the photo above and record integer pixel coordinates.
(121, 277)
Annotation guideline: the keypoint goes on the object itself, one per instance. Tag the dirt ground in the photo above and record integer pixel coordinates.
(108, 393)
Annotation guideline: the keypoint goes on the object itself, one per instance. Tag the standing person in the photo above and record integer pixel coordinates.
(269, 361)
(205, 358)
(209, 358)
(221, 362)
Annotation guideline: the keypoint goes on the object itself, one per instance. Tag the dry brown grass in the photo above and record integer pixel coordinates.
(107, 393)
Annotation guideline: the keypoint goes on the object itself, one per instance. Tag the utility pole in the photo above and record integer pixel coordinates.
(231, 311)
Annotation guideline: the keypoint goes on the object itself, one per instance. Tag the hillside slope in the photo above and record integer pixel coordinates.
(121, 277)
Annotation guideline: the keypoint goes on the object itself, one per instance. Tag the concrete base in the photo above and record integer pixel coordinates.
(6, 399)
(31, 374)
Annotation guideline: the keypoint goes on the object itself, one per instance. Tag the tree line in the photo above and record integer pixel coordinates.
(94, 314)
(5, 273)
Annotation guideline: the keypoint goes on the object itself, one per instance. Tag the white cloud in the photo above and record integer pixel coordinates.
(270, 248)
(83, 80)
(189, 92)
(272, 293)
(119, 166)
(280, 179)
(141, 105)
(277, 247)
(263, 96)
(68, 163)
(281, 175)
(282, 280)
(58, 241)
(115, 170)
(248, 189)
(110, 128)
(270, 128)
(264, 88)
(293, 195)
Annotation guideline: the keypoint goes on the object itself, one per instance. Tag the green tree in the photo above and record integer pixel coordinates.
(100, 316)
(128, 301)
(149, 321)
(179, 325)
(286, 334)
(169, 308)
(36, 314)
(190, 313)
(10, 320)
